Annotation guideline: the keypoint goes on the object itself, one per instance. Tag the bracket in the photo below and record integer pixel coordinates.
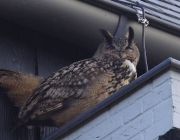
(139, 14)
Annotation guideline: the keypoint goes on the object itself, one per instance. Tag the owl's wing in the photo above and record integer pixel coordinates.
(54, 91)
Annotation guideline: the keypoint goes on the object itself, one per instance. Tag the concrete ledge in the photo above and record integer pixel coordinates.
(145, 109)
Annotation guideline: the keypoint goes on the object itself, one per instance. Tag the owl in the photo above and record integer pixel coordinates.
(73, 89)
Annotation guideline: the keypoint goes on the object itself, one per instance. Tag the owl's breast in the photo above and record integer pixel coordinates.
(130, 65)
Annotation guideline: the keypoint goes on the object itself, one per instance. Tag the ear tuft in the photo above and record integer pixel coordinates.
(106, 35)
(131, 34)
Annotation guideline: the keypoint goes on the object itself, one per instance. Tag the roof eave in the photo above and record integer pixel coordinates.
(130, 12)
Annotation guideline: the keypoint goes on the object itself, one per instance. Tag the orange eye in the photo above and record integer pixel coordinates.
(110, 47)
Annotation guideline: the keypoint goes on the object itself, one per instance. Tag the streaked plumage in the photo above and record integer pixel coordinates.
(75, 88)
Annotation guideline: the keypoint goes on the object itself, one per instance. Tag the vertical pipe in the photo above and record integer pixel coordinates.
(144, 47)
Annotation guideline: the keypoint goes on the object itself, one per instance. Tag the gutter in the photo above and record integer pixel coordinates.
(70, 21)
(167, 64)
(130, 12)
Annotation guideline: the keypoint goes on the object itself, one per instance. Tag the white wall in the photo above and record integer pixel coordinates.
(150, 111)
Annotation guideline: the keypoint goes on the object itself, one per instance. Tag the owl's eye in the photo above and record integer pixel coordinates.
(110, 47)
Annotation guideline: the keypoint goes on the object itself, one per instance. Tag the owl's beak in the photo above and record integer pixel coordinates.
(120, 54)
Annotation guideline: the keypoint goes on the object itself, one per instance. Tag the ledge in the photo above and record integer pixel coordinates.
(120, 94)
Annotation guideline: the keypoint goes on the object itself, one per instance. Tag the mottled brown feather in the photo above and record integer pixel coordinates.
(68, 82)
(75, 88)
(18, 86)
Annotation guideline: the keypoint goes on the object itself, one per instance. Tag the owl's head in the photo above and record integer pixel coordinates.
(120, 48)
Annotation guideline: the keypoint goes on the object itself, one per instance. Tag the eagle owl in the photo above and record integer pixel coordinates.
(73, 89)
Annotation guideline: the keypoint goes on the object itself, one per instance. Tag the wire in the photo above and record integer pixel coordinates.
(144, 23)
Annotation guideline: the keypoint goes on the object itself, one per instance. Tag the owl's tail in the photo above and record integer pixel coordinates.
(18, 86)
(19, 123)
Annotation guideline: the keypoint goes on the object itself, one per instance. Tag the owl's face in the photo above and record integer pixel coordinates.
(122, 48)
